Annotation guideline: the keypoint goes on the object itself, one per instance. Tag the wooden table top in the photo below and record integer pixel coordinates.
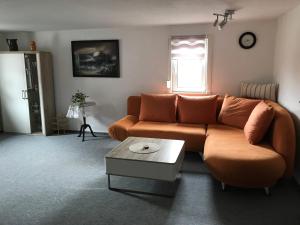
(168, 152)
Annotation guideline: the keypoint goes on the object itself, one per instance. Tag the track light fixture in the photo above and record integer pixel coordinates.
(222, 24)
(226, 17)
(216, 21)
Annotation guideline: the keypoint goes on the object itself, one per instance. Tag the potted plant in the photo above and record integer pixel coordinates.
(78, 99)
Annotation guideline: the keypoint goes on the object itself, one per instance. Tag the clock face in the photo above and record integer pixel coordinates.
(247, 40)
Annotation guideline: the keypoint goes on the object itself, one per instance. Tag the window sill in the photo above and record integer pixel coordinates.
(190, 92)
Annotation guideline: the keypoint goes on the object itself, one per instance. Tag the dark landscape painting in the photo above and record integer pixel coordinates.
(96, 58)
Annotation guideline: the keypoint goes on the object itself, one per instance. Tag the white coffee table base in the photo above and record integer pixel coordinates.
(163, 165)
(140, 192)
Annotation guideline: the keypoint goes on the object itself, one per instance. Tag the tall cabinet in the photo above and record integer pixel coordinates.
(26, 92)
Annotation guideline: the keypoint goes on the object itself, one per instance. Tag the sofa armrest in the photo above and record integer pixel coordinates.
(283, 136)
(119, 129)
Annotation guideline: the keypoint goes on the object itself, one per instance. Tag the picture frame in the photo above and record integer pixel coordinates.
(96, 58)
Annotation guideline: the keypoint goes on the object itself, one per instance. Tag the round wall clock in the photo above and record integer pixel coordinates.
(247, 40)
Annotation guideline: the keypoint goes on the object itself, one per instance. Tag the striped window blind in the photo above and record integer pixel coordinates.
(259, 91)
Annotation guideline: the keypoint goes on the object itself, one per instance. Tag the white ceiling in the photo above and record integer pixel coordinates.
(33, 15)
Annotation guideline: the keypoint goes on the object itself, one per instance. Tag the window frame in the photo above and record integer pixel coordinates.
(208, 65)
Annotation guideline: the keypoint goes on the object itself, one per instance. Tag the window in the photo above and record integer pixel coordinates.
(189, 64)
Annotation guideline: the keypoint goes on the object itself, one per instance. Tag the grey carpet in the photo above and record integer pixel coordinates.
(60, 180)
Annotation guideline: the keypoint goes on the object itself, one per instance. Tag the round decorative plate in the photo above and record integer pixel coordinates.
(144, 147)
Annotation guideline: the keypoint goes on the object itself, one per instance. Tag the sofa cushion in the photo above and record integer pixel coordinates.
(201, 110)
(236, 111)
(134, 105)
(158, 108)
(258, 122)
(193, 135)
(234, 161)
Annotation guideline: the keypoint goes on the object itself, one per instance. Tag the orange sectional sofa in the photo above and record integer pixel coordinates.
(227, 153)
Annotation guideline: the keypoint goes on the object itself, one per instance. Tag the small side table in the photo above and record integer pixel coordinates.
(85, 125)
(76, 112)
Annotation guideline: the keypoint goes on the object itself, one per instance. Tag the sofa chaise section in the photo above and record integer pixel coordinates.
(232, 160)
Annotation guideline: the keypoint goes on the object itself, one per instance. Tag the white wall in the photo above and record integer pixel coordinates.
(143, 62)
(230, 63)
(145, 66)
(287, 67)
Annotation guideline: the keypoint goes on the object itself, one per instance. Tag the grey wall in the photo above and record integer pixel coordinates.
(287, 68)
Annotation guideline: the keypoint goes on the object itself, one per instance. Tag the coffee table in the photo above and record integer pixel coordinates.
(162, 165)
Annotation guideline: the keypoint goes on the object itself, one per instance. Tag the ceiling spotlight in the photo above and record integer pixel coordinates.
(216, 21)
(226, 17)
(222, 24)
(229, 13)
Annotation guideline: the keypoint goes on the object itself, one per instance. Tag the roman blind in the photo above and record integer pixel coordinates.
(189, 63)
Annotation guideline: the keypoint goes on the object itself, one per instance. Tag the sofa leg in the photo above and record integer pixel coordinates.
(267, 191)
(223, 186)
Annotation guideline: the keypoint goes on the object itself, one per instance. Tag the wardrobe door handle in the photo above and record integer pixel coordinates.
(25, 94)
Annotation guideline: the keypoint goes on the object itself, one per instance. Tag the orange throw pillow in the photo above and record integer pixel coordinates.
(197, 109)
(158, 108)
(236, 111)
(258, 123)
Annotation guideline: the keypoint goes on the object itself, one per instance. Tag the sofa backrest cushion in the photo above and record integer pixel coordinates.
(219, 104)
(197, 109)
(134, 105)
(158, 108)
(259, 122)
(236, 111)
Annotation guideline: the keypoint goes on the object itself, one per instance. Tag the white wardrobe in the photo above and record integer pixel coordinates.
(26, 92)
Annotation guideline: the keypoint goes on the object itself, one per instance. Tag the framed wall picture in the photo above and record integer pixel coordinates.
(97, 58)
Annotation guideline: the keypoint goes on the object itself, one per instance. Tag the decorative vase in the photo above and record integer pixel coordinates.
(12, 44)
(32, 46)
